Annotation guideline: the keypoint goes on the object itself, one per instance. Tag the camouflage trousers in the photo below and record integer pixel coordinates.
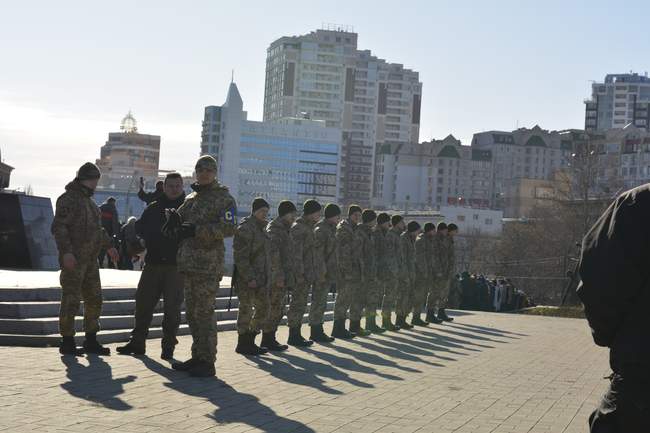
(253, 308)
(275, 309)
(439, 293)
(420, 293)
(298, 305)
(389, 304)
(80, 283)
(200, 293)
(374, 294)
(405, 298)
(318, 306)
(348, 297)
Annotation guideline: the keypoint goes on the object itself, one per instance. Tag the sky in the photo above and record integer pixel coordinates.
(70, 70)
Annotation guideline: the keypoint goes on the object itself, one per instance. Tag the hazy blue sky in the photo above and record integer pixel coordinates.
(70, 70)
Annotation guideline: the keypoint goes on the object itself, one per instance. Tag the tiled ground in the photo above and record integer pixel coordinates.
(484, 373)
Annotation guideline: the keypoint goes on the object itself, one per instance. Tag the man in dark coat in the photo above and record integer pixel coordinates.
(615, 292)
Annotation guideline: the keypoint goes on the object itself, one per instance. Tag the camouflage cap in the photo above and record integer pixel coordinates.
(88, 171)
(206, 162)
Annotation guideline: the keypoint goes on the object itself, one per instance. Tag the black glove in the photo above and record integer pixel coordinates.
(172, 225)
(187, 230)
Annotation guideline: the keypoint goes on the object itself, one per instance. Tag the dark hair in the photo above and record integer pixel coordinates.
(452, 227)
(173, 175)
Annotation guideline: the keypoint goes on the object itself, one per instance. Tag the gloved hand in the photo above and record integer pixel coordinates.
(188, 230)
(173, 224)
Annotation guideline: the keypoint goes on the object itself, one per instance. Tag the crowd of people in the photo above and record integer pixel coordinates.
(379, 265)
(480, 293)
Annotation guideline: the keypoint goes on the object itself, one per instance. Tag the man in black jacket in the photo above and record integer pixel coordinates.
(160, 276)
(615, 292)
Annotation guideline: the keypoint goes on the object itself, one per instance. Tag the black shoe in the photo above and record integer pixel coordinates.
(339, 330)
(296, 339)
(186, 365)
(91, 345)
(318, 335)
(167, 353)
(442, 315)
(246, 345)
(417, 321)
(203, 369)
(371, 325)
(356, 329)
(431, 318)
(401, 322)
(271, 344)
(69, 347)
(131, 348)
(388, 325)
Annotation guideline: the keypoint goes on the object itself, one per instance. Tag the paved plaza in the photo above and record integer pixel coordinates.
(485, 372)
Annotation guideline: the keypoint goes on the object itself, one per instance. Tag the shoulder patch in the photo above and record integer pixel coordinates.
(230, 215)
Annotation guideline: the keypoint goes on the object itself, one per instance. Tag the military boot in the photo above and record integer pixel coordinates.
(355, 328)
(387, 324)
(371, 324)
(202, 369)
(69, 347)
(167, 353)
(91, 345)
(431, 317)
(318, 335)
(442, 315)
(246, 345)
(339, 331)
(401, 322)
(131, 348)
(186, 365)
(271, 344)
(417, 321)
(296, 339)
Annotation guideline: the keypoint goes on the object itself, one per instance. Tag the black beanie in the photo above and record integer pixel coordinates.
(286, 207)
(383, 218)
(429, 227)
(259, 203)
(413, 226)
(311, 206)
(452, 227)
(368, 215)
(332, 210)
(353, 208)
(88, 171)
(396, 219)
(442, 226)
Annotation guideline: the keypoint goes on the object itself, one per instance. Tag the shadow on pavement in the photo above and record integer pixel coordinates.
(94, 382)
(399, 351)
(232, 406)
(349, 364)
(469, 334)
(371, 358)
(490, 331)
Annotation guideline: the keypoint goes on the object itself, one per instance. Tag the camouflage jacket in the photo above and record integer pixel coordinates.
(423, 269)
(77, 225)
(438, 256)
(251, 253)
(280, 250)
(368, 252)
(383, 255)
(450, 253)
(325, 252)
(303, 242)
(394, 254)
(213, 212)
(348, 251)
(408, 253)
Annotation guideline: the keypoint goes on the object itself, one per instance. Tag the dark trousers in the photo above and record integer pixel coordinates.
(157, 281)
(625, 407)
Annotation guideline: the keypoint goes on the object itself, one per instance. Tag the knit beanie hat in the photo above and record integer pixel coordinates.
(413, 226)
(311, 206)
(368, 215)
(332, 210)
(286, 207)
(396, 219)
(354, 209)
(429, 227)
(442, 226)
(383, 218)
(259, 203)
(88, 171)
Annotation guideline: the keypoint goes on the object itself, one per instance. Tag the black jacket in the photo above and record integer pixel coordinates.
(614, 268)
(160, 249)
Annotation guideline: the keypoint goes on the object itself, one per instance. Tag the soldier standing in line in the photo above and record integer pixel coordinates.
(79, 238)
(282, 272)
(382, 259)
(423, 272)
(204, 220)
(325, 259)
(407, 281)
(439, 260)
(393, 254)
(251, 255)
(302, 235)
(450, 262)
(350, 266)
(370, 295)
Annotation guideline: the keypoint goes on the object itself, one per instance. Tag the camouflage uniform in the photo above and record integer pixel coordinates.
(325, 260)
(251, 254)
(302, 235)
(450, 262)
(212, 211)
(77, 230)
(390, 258)
(350, 266)
(407, 279)
(439, 266)
(370, 288)
(422, 273)
(281, 272)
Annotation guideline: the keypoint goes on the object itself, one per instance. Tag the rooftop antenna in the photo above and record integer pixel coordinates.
(232, 76)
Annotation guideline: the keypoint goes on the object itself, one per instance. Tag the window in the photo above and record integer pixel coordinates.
(460, 217)
(475, 217)
(488, 221)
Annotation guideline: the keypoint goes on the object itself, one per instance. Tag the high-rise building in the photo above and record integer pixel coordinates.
(288, 158)
(322, 75)
(621, 99)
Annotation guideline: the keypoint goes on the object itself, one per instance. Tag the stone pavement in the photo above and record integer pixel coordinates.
(485, 372)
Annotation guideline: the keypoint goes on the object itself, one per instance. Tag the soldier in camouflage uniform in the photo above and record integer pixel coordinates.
(370, 288)
(204, 220)
(407, 281)
(390, 253)
(350, 277)
(79, 238)
(251, 255)
(439, 267)
(325, 259)
(305, 268)
(423, 272)
(281, 266)
(448, 274)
